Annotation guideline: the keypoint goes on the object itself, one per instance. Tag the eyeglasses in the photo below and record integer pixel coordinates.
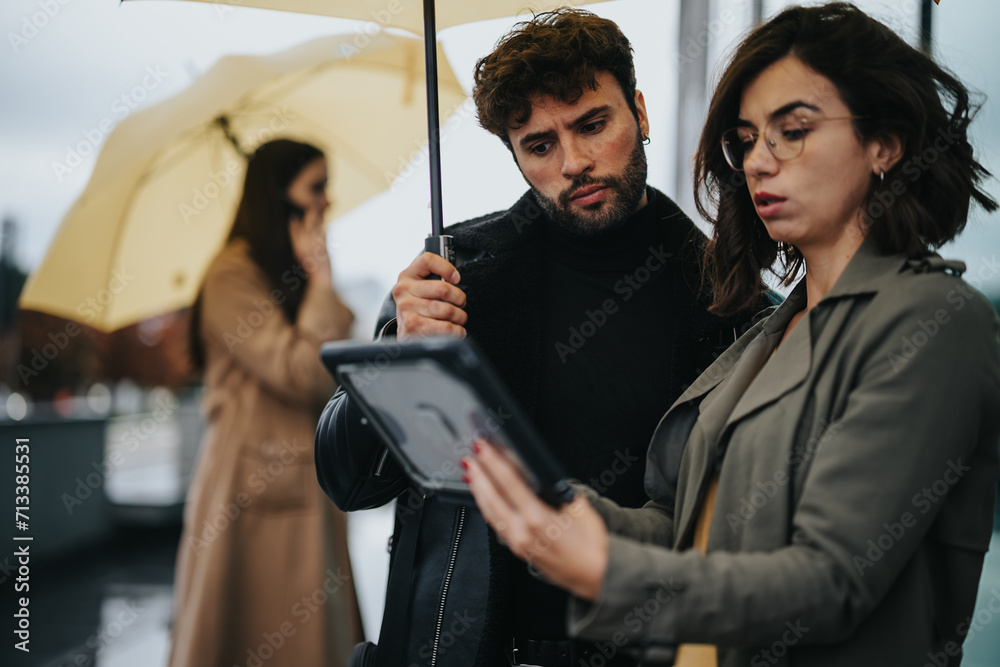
(784, 136)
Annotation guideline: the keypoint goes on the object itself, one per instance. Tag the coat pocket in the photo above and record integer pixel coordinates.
(277, 476)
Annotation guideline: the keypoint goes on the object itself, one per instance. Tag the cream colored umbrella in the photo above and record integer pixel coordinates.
(422, 17)
(406, 14)
(163, 194)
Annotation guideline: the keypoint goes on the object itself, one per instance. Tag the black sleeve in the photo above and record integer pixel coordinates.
(706, 336)
(718, 333)
(353, 466)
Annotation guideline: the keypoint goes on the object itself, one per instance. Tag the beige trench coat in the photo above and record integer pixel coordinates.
(857, 473)
(263, 575)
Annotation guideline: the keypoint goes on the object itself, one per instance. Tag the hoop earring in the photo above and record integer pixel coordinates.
(645, 140)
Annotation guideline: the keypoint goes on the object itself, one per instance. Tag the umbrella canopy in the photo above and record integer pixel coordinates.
(163, 194)
(422, 18)
(407, 14)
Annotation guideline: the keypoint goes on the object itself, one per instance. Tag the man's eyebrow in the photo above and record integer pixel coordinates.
(780, 111)
(528, 139)
(590, 113)
(576, 122)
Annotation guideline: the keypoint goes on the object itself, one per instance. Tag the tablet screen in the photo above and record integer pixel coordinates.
(432, 418)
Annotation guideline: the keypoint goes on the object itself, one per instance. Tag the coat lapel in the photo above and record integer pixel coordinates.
(717, 408)
(774, 380)
(702, 451)
(678, 425)
(720, 369)
(748, 383)
(734, 378)
(862, 274)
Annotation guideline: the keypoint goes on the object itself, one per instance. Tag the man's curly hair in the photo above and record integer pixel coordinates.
(557, 54)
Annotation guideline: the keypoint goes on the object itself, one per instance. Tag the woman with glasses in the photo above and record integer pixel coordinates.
(834, 498)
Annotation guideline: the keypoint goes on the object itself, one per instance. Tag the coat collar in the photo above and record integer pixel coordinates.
(867, 272)
(495, 233)
(523, 223)
(759, 383)
(763, 331)
(751, 383)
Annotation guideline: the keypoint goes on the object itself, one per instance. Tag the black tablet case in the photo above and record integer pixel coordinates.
(429, 399)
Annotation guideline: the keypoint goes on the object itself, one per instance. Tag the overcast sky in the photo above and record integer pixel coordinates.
(93, 60)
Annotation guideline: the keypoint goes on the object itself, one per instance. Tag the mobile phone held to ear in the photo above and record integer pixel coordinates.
(294, 211)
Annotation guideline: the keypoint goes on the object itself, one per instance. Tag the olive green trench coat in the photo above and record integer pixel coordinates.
(857, 469)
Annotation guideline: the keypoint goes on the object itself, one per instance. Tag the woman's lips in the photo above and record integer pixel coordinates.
(590, 194)
(768, 205)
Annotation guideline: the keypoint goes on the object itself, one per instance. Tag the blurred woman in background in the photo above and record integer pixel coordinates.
(263, 574)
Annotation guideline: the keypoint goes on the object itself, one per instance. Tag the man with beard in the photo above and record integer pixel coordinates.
(584, 296)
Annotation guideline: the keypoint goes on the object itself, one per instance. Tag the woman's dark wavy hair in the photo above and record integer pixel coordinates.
(897, 90)
(262, 220)
(557, 53)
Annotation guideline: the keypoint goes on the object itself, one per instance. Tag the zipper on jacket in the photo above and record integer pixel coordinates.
(382, 460)
(447, 583)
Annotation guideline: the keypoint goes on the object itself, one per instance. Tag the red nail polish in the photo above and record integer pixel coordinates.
(465, 478)
(465, 464)
(476, 447)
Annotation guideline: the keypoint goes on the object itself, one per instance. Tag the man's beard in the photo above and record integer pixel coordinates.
(626, 192)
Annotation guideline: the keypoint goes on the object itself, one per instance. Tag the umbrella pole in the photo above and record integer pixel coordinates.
(436, 242)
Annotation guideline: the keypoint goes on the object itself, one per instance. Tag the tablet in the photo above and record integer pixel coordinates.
(429, 399)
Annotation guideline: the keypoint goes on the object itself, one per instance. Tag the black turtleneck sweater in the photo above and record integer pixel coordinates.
(607, 340)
